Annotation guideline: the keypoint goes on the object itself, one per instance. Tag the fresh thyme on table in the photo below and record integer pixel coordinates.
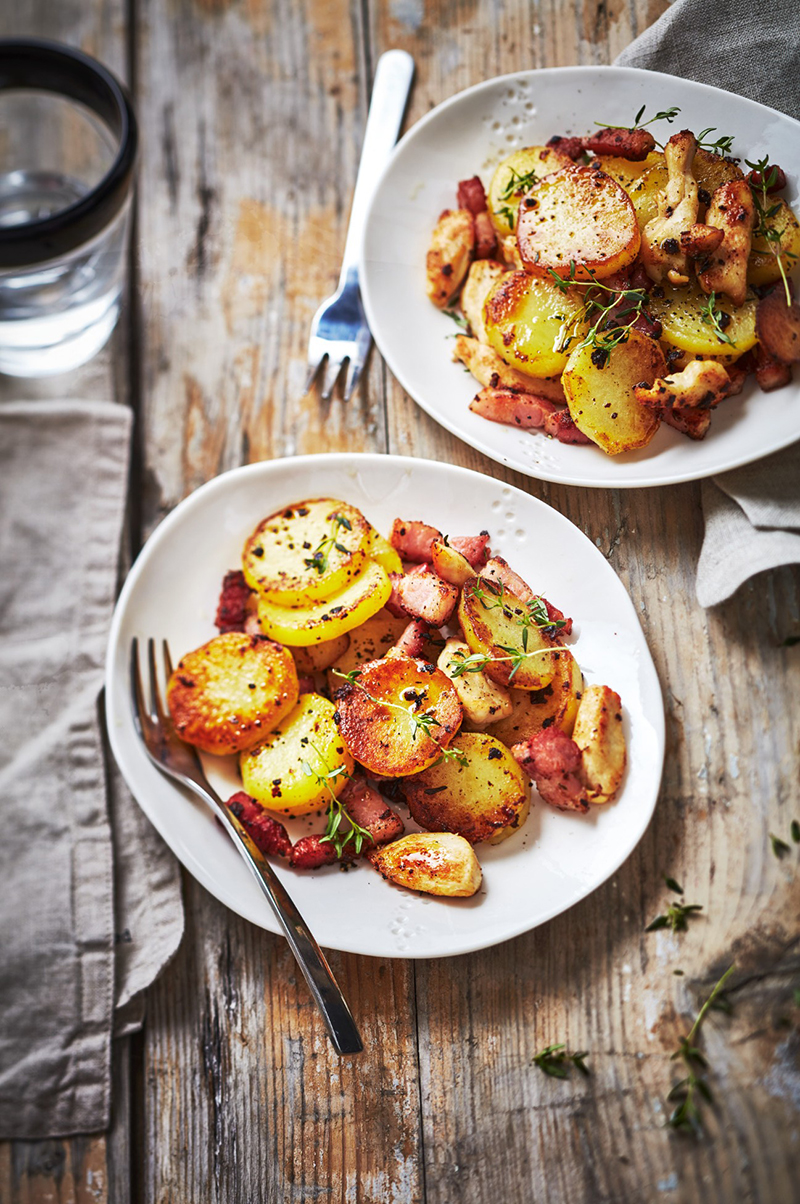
(677, 914)
(318, 560)
(687, 1094)
(555, 1060)
(779, 847)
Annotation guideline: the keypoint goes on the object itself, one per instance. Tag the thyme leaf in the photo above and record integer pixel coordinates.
(318, 560)
(715, 317)
(336, 809)
(686, 1117)
(765, 211)
(667, 115)
(555, 1060)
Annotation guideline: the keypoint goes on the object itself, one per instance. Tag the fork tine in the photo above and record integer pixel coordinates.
(353, 373)
(331, 376)
(168, 670)
(155, 693)
(140, 717)
(313, 369)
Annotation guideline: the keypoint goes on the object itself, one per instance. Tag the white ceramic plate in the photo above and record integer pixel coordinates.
(555, 859)
(469, 135)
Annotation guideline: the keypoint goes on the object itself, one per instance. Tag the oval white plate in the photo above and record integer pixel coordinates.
(469, 135)
(554, 861)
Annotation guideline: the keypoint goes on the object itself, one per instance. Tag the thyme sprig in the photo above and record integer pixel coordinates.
(555, 1060)
(423, 721)
(476, 662)
(519, 182)
(686, 1116)
(766, 209)
(722, 145)
(668, 115)
(677, 914)
(606, 308)
(713, 316)
(318, 559)
(336, 809)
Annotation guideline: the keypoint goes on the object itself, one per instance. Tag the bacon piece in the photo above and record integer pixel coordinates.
(770, 372)
(306, 685)
(472, 195)
(370, 810)
(776, 178)
(268, 835)
(512, 407)
(562, 427)
(393, 604)
(474, 548)
(634, 145)
(413, 540)
(694, 423)
(423, 595)
(778, 326)
(573, 147)
(558, 616)
(310, 852)
(412, 640)
(485, 236)
(553, 761)
(647, 325)
(233, 599)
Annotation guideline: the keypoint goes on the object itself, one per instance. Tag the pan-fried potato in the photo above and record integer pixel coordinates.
(318, 657)
(486, 800)
(764, 265)
(381, 550)
(449, 564)
(377, 715)
(514, 177)
(493, 372)
(224, 696)
(601, 399)
(579, 218)
(628, 172)
(529, 323)
(482, 700)
(598, 734)
(682, 313)
(493, 624)
(318, 622)
(298, 765)
(534, 710)
(306, 552)
(369, 642)
(481, 278)
(436, 863)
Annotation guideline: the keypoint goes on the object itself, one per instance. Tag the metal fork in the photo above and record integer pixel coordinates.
(181, 762)
(339, 329)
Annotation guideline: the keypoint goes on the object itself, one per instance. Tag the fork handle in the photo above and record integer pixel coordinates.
(393, 78)
(323, 986)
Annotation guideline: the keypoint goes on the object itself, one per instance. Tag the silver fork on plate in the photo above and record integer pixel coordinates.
(180, 761)
(339, 329)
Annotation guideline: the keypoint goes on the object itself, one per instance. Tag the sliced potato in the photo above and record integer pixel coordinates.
(381, 550)
(482, 276)
(684, 317)
(318, 622)
(627, 171)
(378, 715)
(766, 257)
(301, 763)
(317, 657)
(482, 700)
(307, 551)
(778, 326)
(369, 642)
(514, 177)
(488, 799)
(600, 395)
(224, 696)
(598, 734)
(534, 710)
(449, 564)
(494, 622)
(493, 372)
(530, 323)
(578, 220)
(436, 863)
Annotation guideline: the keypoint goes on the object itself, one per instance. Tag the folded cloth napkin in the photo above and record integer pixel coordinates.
(751, 49)
(90, 905)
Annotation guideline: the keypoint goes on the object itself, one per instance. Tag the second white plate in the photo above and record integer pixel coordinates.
(469, 135)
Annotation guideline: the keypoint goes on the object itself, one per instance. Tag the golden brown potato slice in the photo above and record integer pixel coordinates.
(436, 863)
(488, 799)
(318, 657)
(491, 371)
(515, 176)
(369, 642)
(482, 276)
(397, 715)
(580, 217)
(319, 622)
(226, 695)
(306, 552)
(496, 624)
(449, 255)
(600, 392)
(534, 710)
(530, 323)
(302, 763)
(767, 256)
(684, 317)
(598, 734)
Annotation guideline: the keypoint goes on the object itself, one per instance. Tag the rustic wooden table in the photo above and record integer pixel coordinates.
(252, 115)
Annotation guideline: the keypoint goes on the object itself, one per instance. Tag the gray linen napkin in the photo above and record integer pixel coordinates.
(754, 50)
(90, 906)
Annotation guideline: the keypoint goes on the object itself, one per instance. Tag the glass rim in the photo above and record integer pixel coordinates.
(37, 64)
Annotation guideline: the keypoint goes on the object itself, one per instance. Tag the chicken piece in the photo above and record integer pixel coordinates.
(481, 278)
(634, 145)
(369, 809)
(492, 372)
(701, 385)
(413, 539)
(269, 836)
(733, 211)
(553, 761)
(482, 700)
(485, 236)
(413, 638)
(700, 240)
(449, 255)
(232, 609)
(423, 595)
(661, 251)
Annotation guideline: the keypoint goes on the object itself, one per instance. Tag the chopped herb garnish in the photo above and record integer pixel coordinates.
(318, 560)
